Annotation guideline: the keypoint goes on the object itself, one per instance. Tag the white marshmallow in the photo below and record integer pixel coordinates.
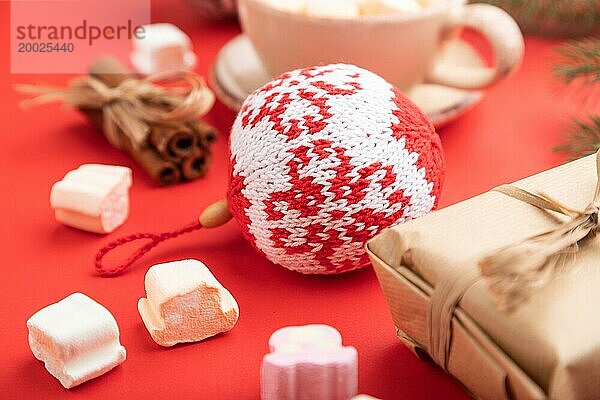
(294, 6)
(333, 8)
(350, 8)
(364, 397)
(185, 303)
(164, 47)
(93, 197)
(429, 3)
(359, 3)
(76, 338)
(377, 7)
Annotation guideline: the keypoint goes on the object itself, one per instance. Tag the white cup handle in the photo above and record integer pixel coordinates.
(503, 34)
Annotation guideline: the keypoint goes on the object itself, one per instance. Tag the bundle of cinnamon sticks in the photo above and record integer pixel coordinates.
(171, 152)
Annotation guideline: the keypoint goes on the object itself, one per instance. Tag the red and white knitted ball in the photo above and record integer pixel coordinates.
(324, 158)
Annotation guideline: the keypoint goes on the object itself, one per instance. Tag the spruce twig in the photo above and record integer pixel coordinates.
(583, 139)
(580, 61)
(559, 18)
(580, 65)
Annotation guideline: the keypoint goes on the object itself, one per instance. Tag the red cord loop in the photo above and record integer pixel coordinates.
(155, 240)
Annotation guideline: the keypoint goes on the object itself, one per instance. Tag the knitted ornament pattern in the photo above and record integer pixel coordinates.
(324, 158)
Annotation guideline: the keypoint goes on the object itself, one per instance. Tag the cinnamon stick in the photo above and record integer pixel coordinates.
(196, 165)
(170, 153)
(110, 71)
(160, 170)
(205, 133)
(173, 142)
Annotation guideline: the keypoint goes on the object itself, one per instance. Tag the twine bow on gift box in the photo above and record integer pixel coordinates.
(518, 270)
(134, 105)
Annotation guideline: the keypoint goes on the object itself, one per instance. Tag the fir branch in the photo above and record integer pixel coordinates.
(583, 139)
(580, 60)
(566, 18)
(562, 10)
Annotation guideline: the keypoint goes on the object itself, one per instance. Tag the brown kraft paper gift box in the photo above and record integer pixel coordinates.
(546, 347)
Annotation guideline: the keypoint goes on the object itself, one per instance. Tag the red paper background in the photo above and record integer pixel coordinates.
(508, 136)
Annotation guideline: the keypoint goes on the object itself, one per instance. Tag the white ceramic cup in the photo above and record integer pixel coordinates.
(401, 48)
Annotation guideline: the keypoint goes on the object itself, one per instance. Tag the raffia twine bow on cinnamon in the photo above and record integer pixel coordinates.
(515, 272)
(133, 106)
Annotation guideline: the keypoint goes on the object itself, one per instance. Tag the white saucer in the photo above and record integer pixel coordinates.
(238, 72)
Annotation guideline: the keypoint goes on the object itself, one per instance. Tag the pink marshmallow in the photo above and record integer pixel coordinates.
(309, 362)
